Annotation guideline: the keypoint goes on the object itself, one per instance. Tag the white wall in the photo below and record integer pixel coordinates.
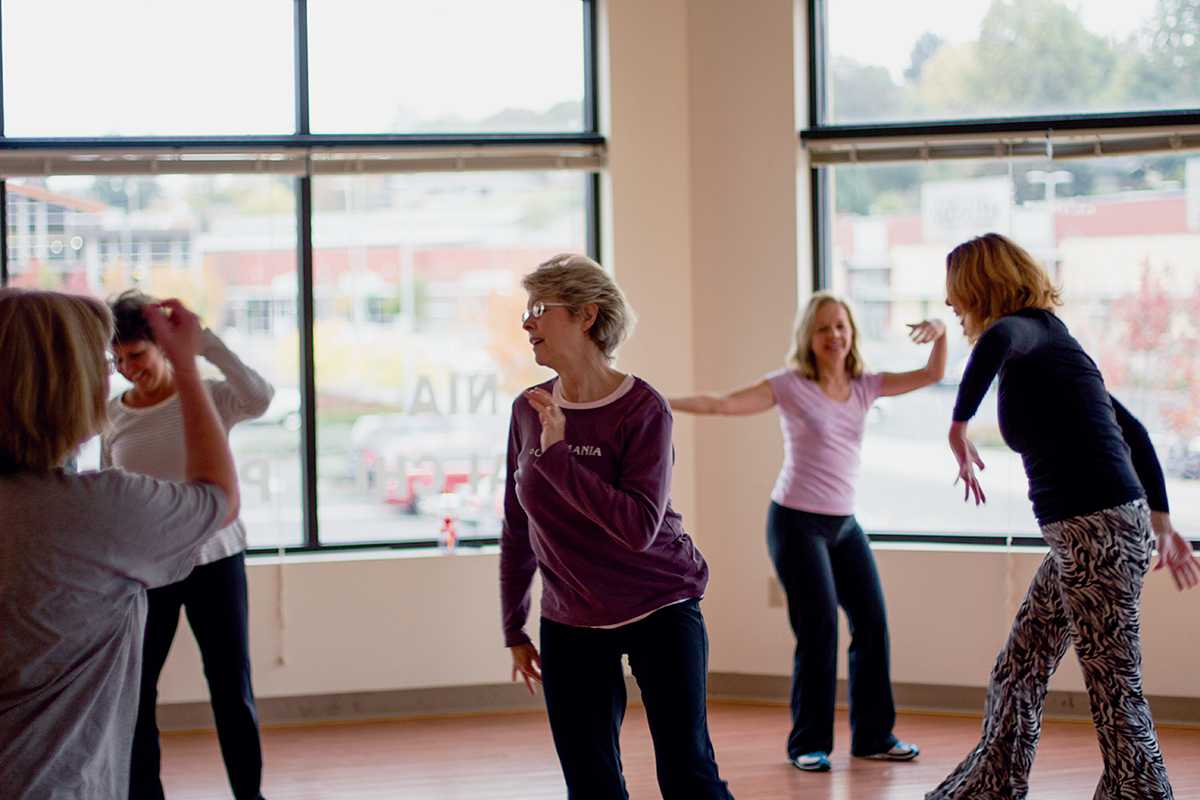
(707, 232)
(744, 221)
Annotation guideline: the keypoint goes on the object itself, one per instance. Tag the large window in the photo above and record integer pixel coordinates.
(1109, 203)
(221, 244)
(419, 345)
(141, 68)
(995, 58)
(348, 194)
(432, 66)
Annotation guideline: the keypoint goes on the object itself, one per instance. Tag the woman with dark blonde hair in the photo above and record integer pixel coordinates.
(587, 503)
(77, 552)
(1100, 500)
(820, 552)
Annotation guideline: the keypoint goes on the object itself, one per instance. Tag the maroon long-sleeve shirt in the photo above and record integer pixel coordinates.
(593, 513)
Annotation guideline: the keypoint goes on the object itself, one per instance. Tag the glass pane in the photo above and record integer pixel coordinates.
(1120, 235)
(141, 68)
(446, 66)
(419, 346)
(954, 59)
(226, 246)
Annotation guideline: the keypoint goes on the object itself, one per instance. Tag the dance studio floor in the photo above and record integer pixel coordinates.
(511, 757)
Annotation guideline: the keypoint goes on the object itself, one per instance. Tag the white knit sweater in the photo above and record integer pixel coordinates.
(150, 440)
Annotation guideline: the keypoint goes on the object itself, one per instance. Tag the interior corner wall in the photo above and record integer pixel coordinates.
(742, 98)
(647, 191)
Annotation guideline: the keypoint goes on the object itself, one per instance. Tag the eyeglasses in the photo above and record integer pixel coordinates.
(539, 308)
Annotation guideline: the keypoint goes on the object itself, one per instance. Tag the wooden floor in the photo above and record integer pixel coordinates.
(511, 757)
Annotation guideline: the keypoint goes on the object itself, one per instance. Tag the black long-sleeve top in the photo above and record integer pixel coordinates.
(1083, 451)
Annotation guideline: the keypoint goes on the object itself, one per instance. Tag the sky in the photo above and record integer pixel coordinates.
(895, 26)
(225, 66)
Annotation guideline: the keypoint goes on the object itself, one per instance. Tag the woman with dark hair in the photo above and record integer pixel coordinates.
(1100, 500)
(77, 552)
(587, 504)
(145, 436)
(820, 552)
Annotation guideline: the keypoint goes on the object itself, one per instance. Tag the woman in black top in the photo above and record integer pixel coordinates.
(1097, 491)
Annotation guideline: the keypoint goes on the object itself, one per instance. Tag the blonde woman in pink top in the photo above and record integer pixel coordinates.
(820, 552)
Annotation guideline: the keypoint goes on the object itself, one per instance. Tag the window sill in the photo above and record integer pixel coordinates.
(381, 553)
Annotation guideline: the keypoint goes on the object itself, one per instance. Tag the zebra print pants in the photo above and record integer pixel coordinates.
(1087, 592)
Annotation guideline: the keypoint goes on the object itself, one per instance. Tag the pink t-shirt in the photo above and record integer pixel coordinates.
(821, 441)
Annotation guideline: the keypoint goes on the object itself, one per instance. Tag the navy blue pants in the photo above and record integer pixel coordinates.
(825, 561)
(214, 597)
(585, 700)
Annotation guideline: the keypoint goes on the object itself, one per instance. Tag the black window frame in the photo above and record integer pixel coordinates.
(821, 210)
(303, 138)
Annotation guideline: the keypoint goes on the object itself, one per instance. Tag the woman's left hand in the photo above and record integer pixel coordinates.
(554, 422)
(1174, 552)
(927, 331)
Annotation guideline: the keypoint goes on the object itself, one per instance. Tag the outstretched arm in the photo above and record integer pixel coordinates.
(749, 400)
(931, 330)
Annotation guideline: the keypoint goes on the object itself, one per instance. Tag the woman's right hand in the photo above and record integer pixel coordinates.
(528, 663)
(177, 332)
(927, 331)
(968, 458)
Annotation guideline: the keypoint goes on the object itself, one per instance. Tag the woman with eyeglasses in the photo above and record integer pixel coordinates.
(587, 504)
(820, 552)
(78, 551)
(145, 436)
(1100, 499)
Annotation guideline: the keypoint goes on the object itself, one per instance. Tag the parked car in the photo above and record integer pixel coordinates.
(477, 506)
(1183, 458)
(283, 411)
(402, 457)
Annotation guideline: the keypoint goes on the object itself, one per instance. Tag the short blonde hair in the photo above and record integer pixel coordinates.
(802, 357)
(577, 281)
(991, 276)
(52, 357)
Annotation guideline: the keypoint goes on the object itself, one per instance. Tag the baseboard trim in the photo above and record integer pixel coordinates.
(502, 698)
(304, 710)
(936, 699)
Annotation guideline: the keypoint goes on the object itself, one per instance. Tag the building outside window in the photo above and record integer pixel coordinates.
(375, 247)
(1059, 125)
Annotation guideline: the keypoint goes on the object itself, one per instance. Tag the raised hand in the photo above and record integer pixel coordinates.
(554, 422)
(968, 458)
(177, 331)
(929, 330)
